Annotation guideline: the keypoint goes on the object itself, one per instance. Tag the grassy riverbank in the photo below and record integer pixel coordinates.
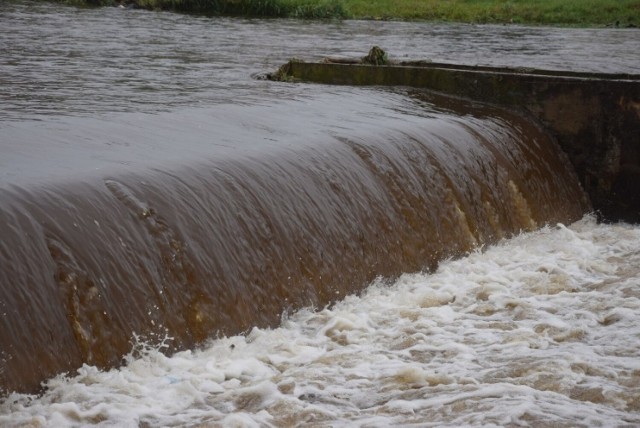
(552, 12)
(574, 12)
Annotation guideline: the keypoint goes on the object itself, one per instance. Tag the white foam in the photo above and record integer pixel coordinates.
(539, 330)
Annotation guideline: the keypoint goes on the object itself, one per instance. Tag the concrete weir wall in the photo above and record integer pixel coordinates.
(595, 117)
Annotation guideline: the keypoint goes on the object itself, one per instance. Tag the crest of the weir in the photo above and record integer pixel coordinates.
(594, 117)
(232, 243)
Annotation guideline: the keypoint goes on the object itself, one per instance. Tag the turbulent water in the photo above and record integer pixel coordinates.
(539, 330)
(152, 192)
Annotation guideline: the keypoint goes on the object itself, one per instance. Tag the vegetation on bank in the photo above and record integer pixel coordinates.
(324, 9)
(624, 13)
(567, 12)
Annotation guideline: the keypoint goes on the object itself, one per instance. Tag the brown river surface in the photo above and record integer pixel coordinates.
(183, 244)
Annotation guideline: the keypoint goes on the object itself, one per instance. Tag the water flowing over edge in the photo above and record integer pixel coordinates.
(219, 245)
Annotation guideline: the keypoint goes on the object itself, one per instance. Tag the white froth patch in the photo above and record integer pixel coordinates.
(541, 330)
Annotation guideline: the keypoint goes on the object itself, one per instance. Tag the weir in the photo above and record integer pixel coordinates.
(595, 117)
(225, 239)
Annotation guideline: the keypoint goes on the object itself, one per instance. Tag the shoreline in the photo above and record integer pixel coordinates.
(554, 13)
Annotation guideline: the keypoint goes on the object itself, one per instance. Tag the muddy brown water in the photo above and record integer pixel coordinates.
(150, 186)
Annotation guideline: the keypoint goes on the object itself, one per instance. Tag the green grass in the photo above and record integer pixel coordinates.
(550, 12)
(568, 12)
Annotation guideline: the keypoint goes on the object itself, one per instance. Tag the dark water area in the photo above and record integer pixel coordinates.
(149, 185)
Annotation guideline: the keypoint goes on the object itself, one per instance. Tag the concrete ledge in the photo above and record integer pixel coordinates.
(595, 117)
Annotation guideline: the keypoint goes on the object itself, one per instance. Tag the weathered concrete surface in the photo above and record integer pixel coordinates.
(595, 117)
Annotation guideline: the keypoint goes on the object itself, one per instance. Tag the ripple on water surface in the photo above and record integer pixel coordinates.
(59, 60)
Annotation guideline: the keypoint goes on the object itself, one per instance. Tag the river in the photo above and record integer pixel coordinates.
(154, 195)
